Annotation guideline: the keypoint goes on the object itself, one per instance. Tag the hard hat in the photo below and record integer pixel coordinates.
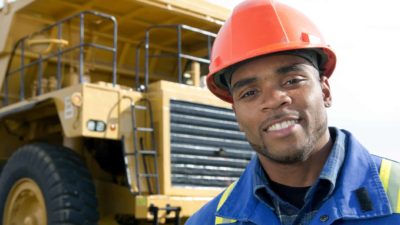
(261, 27)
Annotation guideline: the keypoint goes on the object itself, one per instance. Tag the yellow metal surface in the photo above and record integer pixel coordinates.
(9, 145)
(60, 115)
(113, 199)
(100, 104)
(25, 204)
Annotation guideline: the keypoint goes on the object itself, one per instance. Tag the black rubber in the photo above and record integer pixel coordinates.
(64, 180)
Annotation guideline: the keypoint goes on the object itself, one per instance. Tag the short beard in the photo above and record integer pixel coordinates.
(298, 156)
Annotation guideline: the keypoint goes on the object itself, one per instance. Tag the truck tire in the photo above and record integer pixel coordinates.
(43, 184)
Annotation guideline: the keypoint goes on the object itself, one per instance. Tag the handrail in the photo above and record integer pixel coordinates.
(20, 44)
(13, 51)
(179, 54)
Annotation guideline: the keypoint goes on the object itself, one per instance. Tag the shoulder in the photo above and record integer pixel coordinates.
(206, 215)
(389, 174)
(387, 168)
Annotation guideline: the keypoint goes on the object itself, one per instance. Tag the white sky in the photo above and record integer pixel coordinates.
(2, 2)
(365, 34)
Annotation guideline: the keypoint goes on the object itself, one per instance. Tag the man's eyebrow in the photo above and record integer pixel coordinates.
(290, 68)
(242, 83)
(281, 71)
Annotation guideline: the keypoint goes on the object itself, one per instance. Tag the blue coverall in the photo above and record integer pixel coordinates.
(359, 170)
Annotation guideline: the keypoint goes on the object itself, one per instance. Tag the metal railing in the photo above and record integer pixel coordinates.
(21, 43)
(178, 54)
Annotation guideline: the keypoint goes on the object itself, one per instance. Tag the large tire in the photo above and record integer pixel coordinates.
(42, 184)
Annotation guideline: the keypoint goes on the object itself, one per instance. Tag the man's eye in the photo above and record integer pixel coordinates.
(294, 81)
(248, 93)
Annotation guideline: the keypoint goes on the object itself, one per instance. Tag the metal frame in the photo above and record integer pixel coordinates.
(179, 55)
(20, 44)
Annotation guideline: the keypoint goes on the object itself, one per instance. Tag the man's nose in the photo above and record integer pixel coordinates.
(274, 98)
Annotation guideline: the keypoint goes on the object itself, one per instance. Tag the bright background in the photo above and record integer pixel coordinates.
(365, 35)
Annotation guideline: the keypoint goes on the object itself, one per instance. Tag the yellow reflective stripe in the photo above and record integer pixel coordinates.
(225, 195)
(384, 173)
(394, 186)
(390, 178)
(398, 202)
(221, 220)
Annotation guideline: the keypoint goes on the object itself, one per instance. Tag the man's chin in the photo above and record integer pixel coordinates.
(287, 159)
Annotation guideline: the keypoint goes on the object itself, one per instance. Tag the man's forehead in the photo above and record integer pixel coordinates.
(277, 63)
(308, 55)
(249, 78)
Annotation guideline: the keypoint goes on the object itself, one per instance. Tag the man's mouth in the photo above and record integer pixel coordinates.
(281, 125)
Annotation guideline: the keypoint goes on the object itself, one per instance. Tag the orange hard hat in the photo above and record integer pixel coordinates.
(260, 27)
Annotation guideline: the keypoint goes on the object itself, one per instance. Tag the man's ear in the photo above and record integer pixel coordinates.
(326, 92)
(240, 127)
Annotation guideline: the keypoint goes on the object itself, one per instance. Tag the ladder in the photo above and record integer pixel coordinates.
(140, 152)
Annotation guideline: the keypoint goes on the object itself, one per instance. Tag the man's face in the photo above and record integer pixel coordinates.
(280, 102)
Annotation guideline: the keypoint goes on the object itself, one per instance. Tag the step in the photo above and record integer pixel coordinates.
(143, 152)
(147, 152)
(148, 175)
(139, 107)
(144, 129)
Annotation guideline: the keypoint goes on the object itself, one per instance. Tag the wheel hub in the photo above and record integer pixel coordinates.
(25, 204)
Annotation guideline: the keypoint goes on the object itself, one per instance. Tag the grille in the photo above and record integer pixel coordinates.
(207, 148)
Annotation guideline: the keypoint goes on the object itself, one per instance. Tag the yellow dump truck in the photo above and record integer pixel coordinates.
(104, 114)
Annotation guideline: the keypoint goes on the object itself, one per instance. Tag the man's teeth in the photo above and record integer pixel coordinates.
(281, 125)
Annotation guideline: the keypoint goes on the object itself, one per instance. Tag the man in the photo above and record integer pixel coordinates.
(273, 65)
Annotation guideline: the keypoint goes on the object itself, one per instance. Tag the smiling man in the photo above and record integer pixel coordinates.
(273, 65)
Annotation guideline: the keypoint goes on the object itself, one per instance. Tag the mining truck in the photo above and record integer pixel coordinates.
(104, 114)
